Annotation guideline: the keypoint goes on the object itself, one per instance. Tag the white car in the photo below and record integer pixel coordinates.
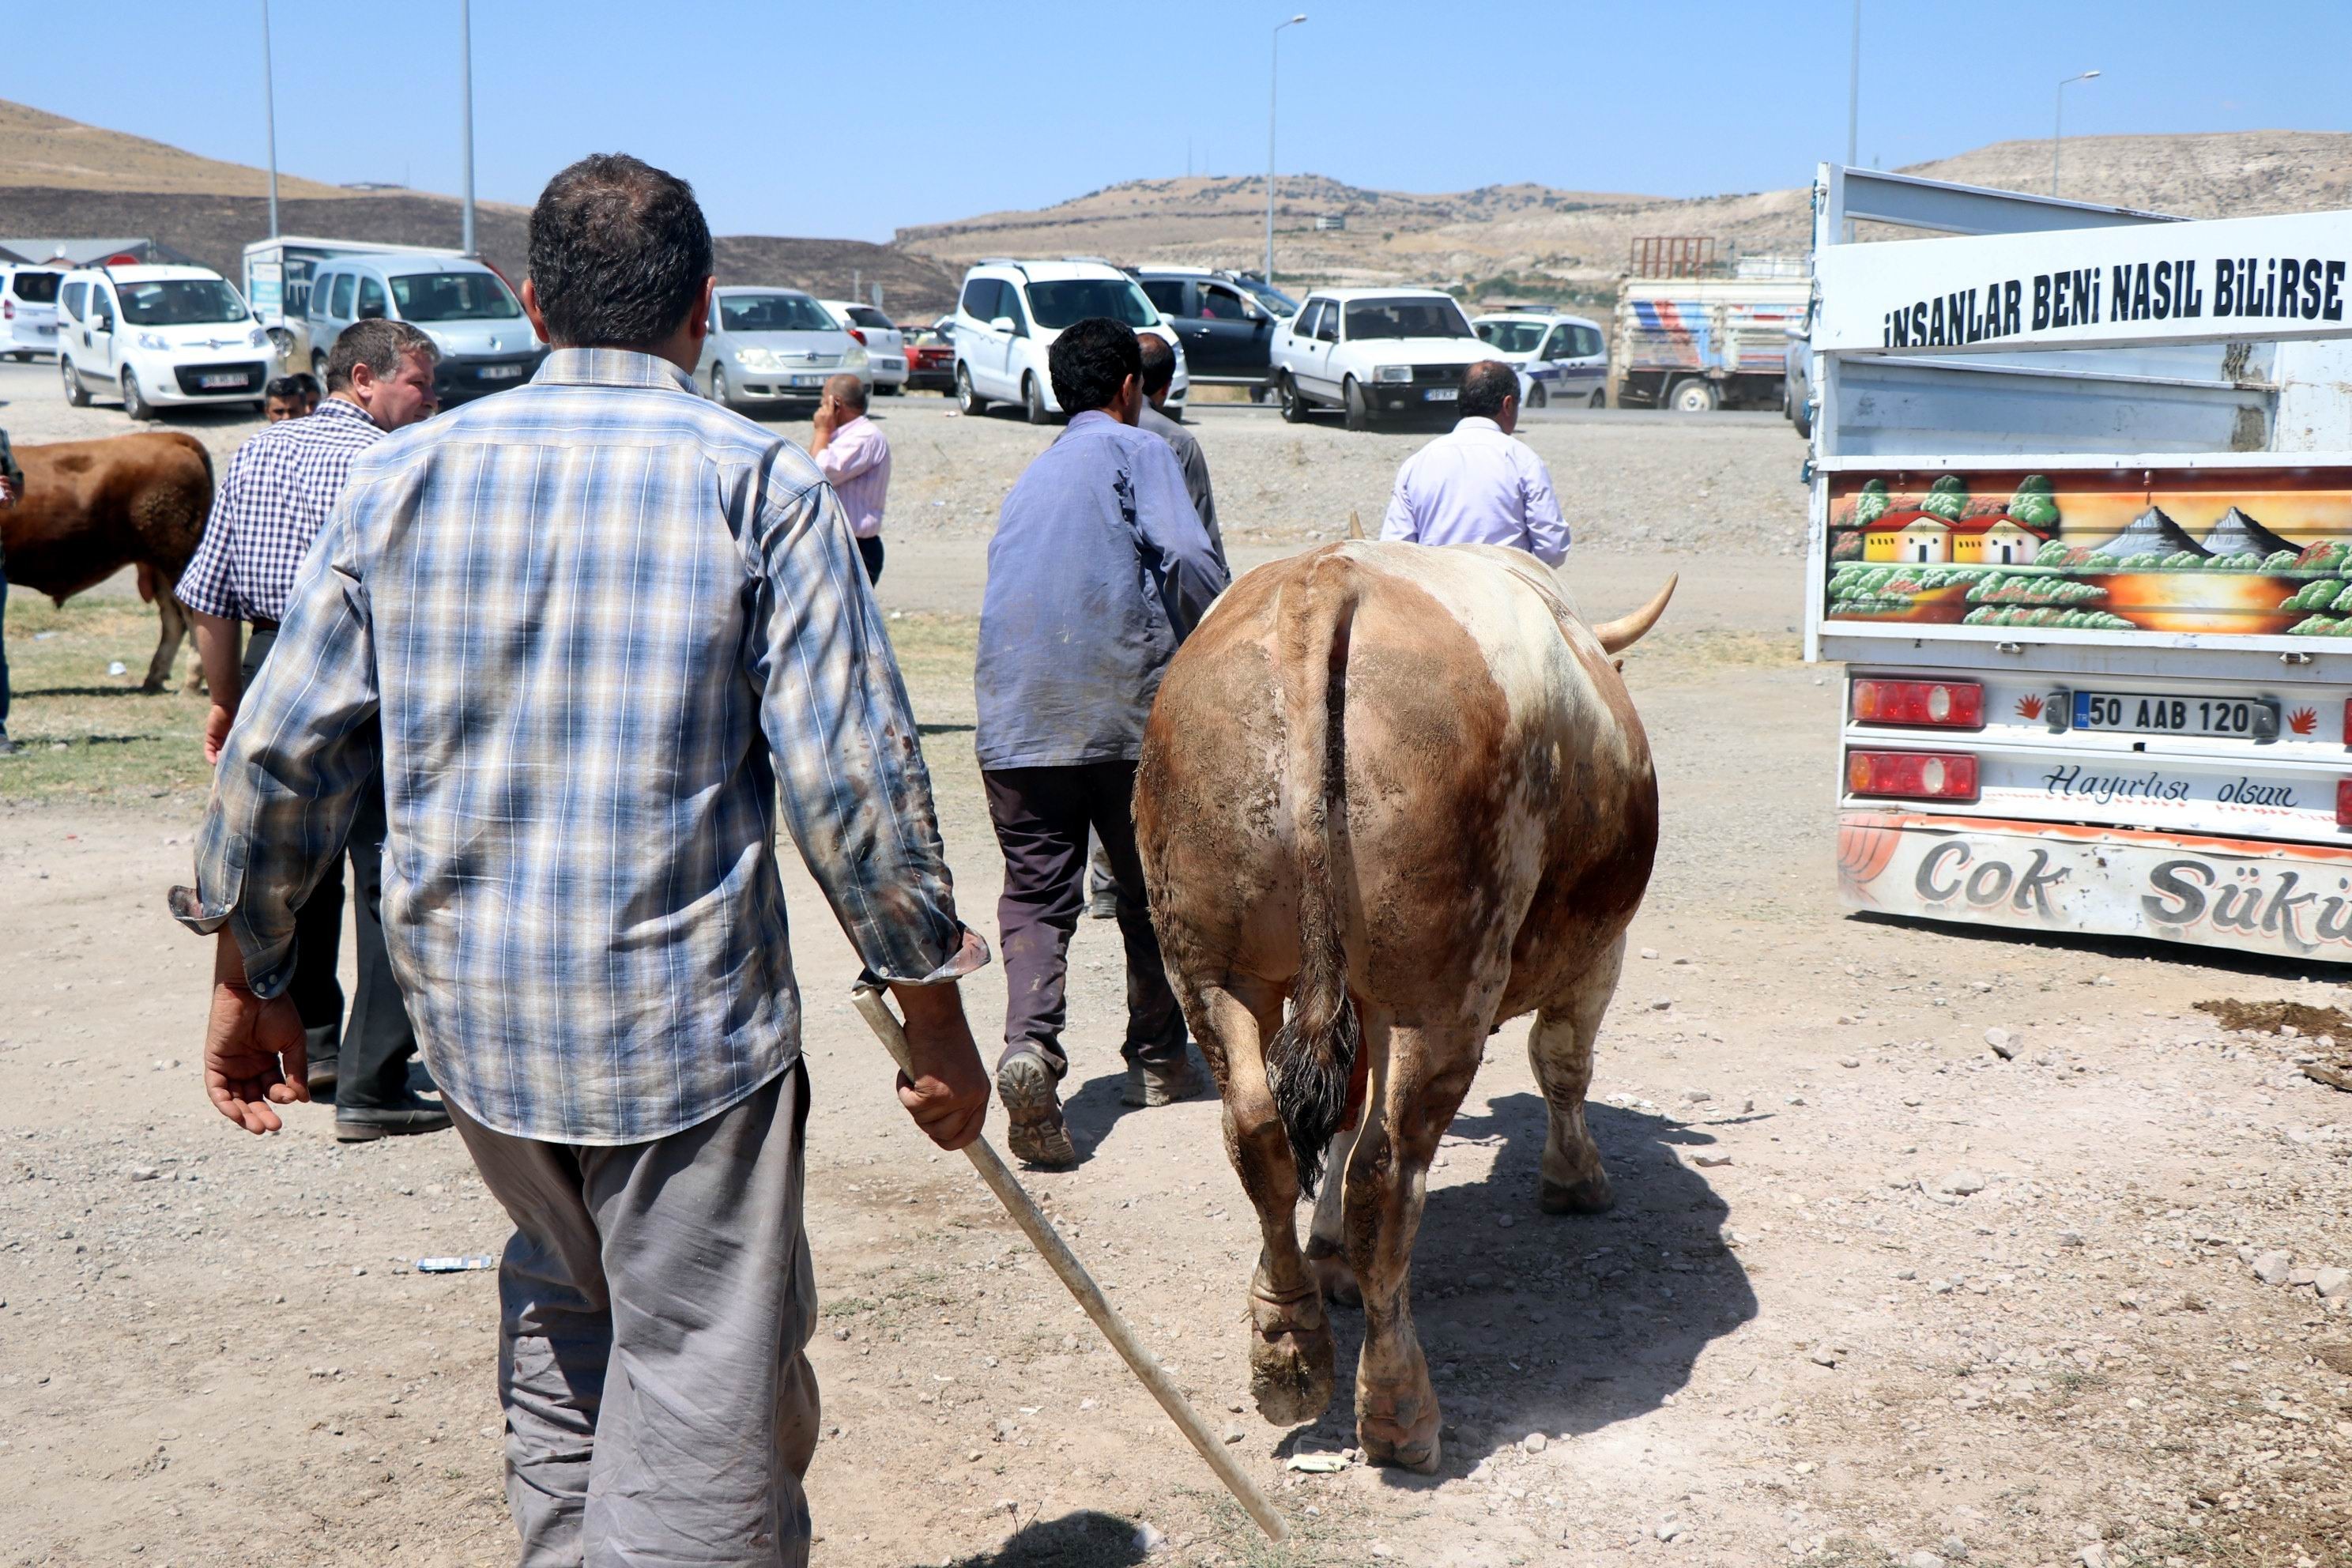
(886, 345)
(1560, 359)
(1374, 351)
(1009, 313)
(159, 337)
(28, 310)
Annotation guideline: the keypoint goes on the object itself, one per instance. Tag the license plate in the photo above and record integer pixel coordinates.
(47, 329)
(1442, 394)
(808, 381)
(2139, 713)
(226, 379)
(502, 372)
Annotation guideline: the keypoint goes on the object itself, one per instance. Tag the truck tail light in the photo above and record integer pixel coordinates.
(1914, 775)
(859, 333)
(8, 313)
(2348, 723)
(1943, 704)
(2343, 802)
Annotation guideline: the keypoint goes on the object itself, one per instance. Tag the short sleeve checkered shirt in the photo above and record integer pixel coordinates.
(270, 504)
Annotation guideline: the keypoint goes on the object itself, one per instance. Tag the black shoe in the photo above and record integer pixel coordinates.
(1163, 1083)
(322, 1082)
(413, 1113)
(1103, 907)
(1035, 1130)
(8, 748)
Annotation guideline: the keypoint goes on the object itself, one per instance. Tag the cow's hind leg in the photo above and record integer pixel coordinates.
(1327, 1253)
(1290, 1340)
(1560, 1048)
(1418, 1082)
(172, 629)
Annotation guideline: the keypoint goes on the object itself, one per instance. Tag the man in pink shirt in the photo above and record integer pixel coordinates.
(856, 457)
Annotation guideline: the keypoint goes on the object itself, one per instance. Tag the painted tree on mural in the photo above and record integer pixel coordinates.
(1947, 497)
(2034, 505)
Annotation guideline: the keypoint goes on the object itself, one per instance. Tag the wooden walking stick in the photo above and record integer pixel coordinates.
(1065, 1263)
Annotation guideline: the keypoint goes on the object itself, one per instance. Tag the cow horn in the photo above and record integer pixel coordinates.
(1355, 523)
(1626, 630)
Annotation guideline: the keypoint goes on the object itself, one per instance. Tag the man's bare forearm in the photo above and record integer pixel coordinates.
(217, 653)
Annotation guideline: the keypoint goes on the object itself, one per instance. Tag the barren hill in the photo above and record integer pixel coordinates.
(1572, 245)
(61, 178)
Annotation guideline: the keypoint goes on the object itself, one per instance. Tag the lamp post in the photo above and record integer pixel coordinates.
(1854, 90)
(2058, 124)
(466, 87)
(1273, 68)
(269, 114)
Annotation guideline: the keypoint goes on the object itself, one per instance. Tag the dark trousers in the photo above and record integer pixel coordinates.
(1042, 815)
(376, 1040)
(4, 647)
(870, 552)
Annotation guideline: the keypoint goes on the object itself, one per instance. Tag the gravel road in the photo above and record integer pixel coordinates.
(1875, 1291)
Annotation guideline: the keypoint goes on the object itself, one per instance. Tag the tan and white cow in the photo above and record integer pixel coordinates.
(1402, 790)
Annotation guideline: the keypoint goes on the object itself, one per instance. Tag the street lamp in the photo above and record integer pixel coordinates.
(466, 89)
(269, 114)
(1273, 68)
(2058, 125)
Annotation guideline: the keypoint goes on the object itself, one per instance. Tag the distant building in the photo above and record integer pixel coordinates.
(1331, 220)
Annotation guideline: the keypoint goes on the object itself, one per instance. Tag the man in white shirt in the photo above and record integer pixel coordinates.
(1476, 484)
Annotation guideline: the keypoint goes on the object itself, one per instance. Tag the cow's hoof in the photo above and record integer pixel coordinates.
(1290, 1375)
(1413, 1447)
(1331, 1272)
(1590, 1196)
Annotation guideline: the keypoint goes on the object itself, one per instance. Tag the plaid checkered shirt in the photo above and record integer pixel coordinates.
(601, 620)
(270, 507)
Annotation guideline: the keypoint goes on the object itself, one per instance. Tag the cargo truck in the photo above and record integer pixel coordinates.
(1700, 343)
(2080, 532)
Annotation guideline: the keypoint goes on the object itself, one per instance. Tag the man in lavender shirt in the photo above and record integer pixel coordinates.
(856, 458)
(1477, 485)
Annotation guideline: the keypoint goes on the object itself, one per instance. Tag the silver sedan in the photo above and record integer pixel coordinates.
(770, 346)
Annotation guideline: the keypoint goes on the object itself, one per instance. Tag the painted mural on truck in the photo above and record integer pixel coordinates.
(2244, 552)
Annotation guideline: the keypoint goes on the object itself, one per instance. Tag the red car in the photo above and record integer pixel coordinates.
(931, 359)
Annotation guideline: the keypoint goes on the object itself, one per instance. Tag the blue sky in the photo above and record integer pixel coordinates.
(851, 119)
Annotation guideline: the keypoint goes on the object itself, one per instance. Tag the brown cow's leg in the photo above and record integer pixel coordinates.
(1325, 1253)
(1559, 1046)
(1418, 1081)
(171, 629)
(1291, 1342)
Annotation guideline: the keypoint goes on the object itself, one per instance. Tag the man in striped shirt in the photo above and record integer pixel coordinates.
(607, 629)
(271, 503)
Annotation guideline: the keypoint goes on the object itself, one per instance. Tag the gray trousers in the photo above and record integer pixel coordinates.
(655, 1304)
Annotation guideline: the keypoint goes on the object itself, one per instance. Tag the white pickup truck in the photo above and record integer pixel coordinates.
(2082, 532)
(1370, 352)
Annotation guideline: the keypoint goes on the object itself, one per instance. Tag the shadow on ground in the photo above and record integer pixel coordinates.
(1088, 1539)
(1558, 1324)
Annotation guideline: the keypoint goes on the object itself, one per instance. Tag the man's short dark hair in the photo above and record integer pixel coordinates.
(1089, 359)
(286, 389)
(379, 343)
(1158, 363)
(307, 385)
(1484, 386)
(619, 252)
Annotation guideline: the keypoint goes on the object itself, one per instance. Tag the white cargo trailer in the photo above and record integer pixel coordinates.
(2080, 531)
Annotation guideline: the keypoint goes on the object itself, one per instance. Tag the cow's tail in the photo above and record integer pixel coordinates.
(1313, 1055)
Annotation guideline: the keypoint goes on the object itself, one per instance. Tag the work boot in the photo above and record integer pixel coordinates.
(1035, 1130)
(1103, 906)
(410, 1113)
(1163, 1083)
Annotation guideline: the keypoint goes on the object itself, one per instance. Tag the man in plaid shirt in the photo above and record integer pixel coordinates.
(269, 506)
(604, 626)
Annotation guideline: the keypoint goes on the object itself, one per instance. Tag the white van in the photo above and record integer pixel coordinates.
(158, 337)
(1009, 313)
(28, 310)
(464, 306)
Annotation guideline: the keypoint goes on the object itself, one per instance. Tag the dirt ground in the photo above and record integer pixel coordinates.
(1873, 1293)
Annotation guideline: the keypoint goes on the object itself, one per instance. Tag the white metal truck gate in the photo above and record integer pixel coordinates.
(2079, 529)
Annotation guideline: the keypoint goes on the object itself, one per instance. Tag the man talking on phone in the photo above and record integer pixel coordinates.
(854, 456)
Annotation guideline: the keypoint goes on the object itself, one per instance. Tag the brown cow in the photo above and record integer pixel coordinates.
(1402, 789)
(91, 508)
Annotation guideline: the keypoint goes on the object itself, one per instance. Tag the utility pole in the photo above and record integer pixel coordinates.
(1854, 90)
(269, 114)
(1272, 74)
(466, 85)
(2058, 124)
